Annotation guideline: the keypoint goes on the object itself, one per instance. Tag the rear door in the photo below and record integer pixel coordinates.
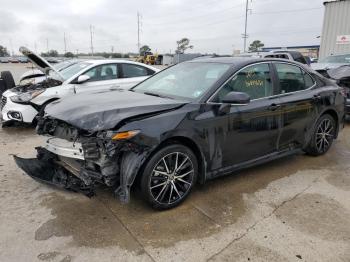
(299, 101)
(132, 74)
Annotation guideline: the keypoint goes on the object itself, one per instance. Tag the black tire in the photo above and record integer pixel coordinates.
(2, 87)
(169, 188)
(8, 79)
(323, 136)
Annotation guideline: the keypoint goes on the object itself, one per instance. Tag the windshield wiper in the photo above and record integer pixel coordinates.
(155, 94)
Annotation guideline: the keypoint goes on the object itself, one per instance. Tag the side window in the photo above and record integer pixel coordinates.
(292, 78)
(309, 82)
(130, 70)
(103, 72)
(282, 56)
(254, 80)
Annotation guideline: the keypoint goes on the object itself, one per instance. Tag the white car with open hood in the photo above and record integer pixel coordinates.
(23, 102)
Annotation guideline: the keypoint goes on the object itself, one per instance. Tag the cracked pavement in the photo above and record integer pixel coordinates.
(292, 209)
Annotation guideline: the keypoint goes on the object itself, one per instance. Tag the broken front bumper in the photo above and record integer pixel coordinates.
(43, 169)
(65, 148)
(80, 166)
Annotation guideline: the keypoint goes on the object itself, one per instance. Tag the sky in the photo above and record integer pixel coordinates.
(212, 26)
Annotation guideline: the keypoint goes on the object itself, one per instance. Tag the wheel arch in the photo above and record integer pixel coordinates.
(41, 108)
(185, 141)
(333, 113)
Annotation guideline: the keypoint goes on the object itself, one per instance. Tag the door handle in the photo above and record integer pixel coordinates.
(316, 97)
(114, 87)
(274, 107)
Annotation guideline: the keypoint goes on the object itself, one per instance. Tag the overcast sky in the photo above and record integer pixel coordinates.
(211, 25)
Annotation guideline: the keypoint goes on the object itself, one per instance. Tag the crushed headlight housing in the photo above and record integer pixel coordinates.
(26, 97)
(116, 136)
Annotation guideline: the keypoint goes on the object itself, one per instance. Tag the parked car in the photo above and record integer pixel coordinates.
(189, 123)
(23, 103)
(13, 60)
(330, 62)
(342, 77)
(283, 54)
(336, 67)
(4, 59)
(36, 76)
(23, 59)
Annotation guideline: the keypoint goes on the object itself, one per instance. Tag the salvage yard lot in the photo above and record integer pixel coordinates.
(292, 209)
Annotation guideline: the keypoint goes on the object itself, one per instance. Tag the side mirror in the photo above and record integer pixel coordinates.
(236, 98)
(83, 78)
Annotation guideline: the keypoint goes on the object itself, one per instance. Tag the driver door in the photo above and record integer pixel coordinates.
(249, 131)
(102, 77)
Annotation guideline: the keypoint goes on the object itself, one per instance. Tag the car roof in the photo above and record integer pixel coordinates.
(241, 61)
(108, 61)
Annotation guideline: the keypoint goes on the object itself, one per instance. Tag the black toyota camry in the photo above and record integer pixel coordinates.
(191, 122)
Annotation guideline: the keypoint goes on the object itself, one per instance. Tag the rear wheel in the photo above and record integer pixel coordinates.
(169, 176)
(323, 136)
(8, 79)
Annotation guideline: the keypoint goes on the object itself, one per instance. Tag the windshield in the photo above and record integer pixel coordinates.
(62, 65)
(185, 80)
(73, 69)
(344, 59)
(59, 67)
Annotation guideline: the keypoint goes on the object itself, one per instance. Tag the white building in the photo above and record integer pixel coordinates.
(335, 38)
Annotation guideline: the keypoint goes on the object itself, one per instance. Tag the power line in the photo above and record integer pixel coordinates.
(287, 11)
(228, 9)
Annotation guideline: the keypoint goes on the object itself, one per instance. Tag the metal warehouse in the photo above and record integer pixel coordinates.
(335, 38)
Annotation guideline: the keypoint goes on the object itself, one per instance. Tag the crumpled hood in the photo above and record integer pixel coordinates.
(340, 72)
(325, 66)
(104, 110)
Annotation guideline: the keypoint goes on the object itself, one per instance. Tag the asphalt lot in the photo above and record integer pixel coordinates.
(292, 209)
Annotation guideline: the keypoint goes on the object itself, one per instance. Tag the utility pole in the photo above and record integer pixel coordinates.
(138, 32)
(12, 53)
(112, 49)
(65, 42)
(245, 36)
(47, 45)
(91, 42)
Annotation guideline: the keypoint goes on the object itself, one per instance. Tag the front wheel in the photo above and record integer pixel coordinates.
(169, 176)
(323, 136)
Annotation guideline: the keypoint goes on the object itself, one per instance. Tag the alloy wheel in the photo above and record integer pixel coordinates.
(171, 178)
(324, 135)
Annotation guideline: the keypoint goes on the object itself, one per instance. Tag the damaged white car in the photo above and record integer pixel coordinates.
(23, 103)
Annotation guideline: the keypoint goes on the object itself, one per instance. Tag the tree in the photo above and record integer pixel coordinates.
(3, 51)
(51, 53)
(144, 49)
(183, 45)
(69, 54)
(255, 46)
(117, 55)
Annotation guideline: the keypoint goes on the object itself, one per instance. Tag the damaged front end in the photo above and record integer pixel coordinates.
(77, 160)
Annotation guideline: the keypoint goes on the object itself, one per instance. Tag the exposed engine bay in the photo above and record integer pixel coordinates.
(47, 83)
(79, 161)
